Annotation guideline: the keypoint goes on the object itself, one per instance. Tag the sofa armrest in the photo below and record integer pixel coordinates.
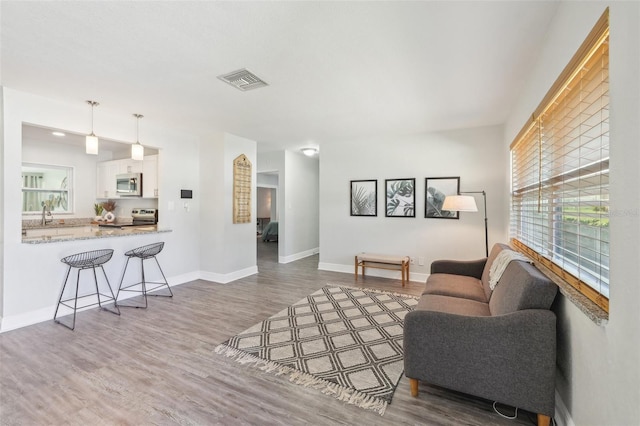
(471, 268)
(507, 358)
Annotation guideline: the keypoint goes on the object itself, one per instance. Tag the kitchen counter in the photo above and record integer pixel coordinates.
(55, 233)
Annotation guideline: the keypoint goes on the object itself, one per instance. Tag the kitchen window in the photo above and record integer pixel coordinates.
(560, 173)
(46, 186)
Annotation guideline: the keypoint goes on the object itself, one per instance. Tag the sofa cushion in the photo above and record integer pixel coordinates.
(522, 286)
(495, 250)
(455, 286)
(453, 305)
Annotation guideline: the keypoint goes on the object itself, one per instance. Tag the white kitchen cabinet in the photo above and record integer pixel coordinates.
(150, 176)
(106, 172)
(130, 166)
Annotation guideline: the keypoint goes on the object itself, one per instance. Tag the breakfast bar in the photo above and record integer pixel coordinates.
(52, 233)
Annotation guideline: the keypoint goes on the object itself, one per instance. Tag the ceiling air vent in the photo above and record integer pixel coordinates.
(243, 80)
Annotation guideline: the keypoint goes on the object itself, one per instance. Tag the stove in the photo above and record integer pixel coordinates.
(144, 216)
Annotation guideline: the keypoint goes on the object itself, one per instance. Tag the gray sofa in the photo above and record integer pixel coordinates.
(499, 345)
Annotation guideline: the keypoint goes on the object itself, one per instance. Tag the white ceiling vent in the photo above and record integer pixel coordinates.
(243, 80)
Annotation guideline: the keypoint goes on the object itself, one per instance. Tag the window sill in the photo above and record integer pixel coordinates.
(594, 312)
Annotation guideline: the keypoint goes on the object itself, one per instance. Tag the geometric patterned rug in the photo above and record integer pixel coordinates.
(345, 342)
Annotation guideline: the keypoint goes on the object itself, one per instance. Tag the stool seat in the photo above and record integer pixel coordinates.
(146, 252)
(81, 261)
(143, 253)
(88, 259)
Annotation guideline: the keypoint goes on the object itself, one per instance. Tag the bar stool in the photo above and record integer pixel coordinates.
(143, 253)
(81, 261)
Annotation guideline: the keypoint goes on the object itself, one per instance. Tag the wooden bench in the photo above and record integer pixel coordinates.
(383, 261)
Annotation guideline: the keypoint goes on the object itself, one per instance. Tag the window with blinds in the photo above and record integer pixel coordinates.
(560, 173)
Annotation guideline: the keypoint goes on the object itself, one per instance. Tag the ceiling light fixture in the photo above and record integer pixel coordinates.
(59, 134)
(91, 142)
(137, 150)
(309, 152)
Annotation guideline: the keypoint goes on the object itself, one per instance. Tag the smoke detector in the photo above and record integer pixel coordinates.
(243, 80)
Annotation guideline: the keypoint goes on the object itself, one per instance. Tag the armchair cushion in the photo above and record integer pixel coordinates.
(456, 286)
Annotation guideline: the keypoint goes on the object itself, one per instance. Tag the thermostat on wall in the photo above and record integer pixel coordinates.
(186, 193)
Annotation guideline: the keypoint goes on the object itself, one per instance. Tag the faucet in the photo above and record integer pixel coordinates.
(46, 211)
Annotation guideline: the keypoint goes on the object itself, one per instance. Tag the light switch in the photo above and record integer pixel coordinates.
(171, 206)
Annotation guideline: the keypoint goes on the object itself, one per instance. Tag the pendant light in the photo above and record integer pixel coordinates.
(91, 142)
(137, 150)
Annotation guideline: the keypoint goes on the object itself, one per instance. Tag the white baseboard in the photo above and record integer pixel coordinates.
(383, 273)
(562, 415)
(298, 256)
(13, 322)
(227, 278)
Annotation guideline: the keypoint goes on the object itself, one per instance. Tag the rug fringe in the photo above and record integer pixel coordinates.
(341, 393)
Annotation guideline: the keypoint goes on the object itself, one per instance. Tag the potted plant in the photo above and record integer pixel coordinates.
(110, 207)
(99, 210)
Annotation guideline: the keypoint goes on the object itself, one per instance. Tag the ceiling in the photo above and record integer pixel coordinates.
(336, 70)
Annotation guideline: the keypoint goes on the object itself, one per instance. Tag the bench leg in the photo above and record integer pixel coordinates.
(414, 386)
(404, 272)
(543, 420)
(356, 263)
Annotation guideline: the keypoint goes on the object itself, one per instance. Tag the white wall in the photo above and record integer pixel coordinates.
(1, 202)
(30, 293)
(598, 371)
(476, 155)
(240, 238)
(301, 207)
(227, 250)
(211, 197)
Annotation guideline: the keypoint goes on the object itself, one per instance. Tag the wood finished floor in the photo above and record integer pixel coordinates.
(157, 366)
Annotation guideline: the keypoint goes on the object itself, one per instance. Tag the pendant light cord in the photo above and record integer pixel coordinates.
(93, 104)
(138, 117)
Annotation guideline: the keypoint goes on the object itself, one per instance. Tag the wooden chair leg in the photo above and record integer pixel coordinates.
(543, 420)
(356, 268)
(414, 387)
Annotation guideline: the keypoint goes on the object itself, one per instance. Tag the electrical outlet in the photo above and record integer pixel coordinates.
(413, 261)
(421, 261)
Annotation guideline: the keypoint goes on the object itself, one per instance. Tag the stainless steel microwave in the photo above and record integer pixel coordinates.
(129, 185)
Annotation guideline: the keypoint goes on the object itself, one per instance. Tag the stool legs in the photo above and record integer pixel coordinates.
(144, 290)
(75, 298)
(161, 284)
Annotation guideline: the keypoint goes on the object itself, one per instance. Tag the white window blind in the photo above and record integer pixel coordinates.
(560, 174)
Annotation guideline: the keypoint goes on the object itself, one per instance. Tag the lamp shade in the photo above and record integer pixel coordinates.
(91, 144)
(460, 203)
(137, 151)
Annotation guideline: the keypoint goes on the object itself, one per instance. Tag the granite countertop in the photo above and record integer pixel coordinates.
(67, 223)
(77, 230)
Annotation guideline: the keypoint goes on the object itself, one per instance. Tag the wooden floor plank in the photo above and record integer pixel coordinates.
(157, 366)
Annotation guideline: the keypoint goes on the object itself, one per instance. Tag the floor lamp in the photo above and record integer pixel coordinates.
(467, 203)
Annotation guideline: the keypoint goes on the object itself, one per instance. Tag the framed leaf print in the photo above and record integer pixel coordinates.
(364, 198)
(400, 197)
(436, 190)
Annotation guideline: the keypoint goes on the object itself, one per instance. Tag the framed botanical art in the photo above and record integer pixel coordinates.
(364, 198)
(436, 190)
(400, 197)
